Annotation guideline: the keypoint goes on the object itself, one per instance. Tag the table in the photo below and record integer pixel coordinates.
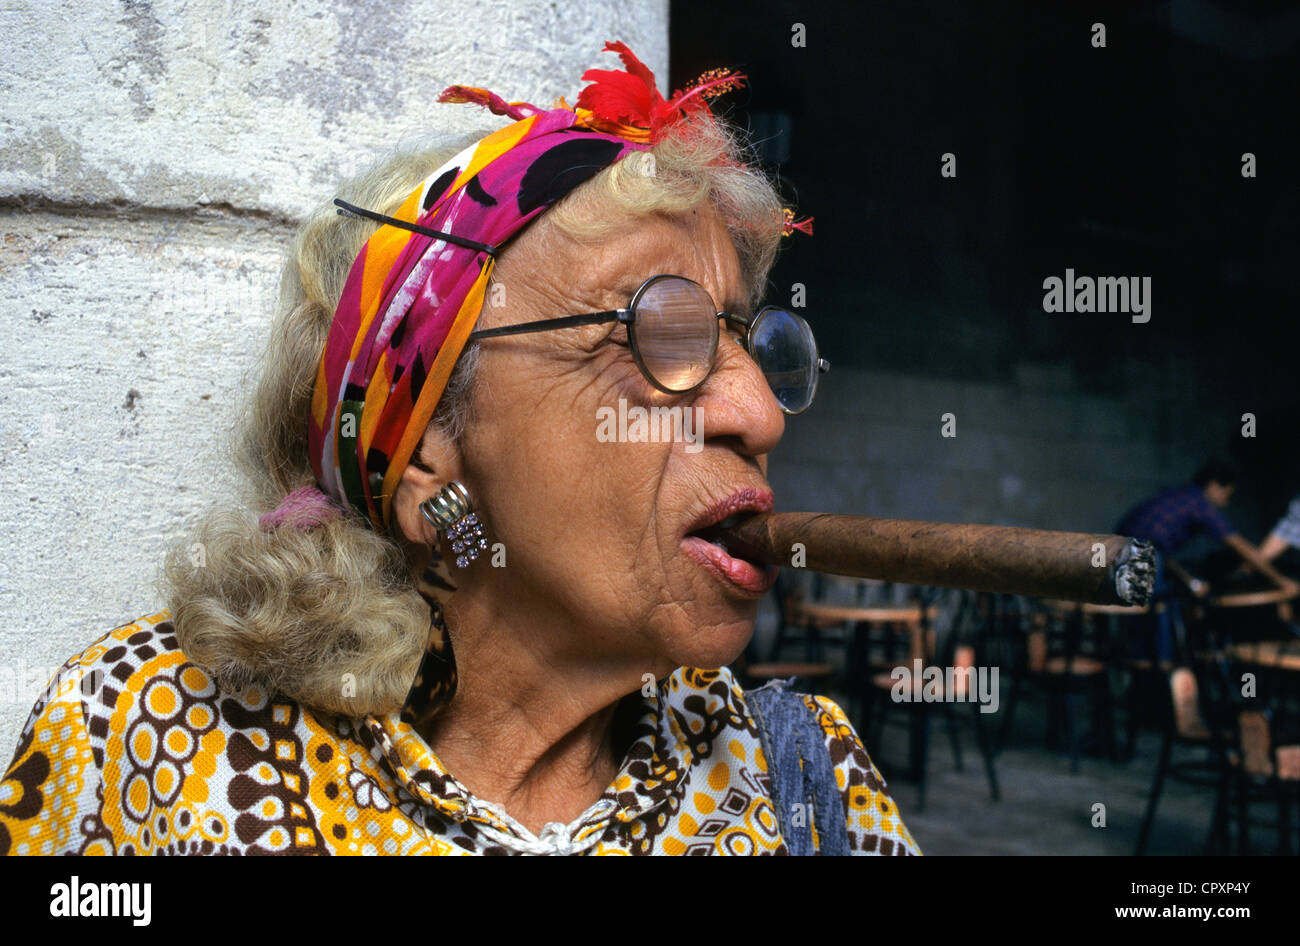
(1278, 655)
(913, 616)
(1251, 599)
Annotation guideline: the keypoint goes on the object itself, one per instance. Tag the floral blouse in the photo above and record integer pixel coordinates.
(135, 750)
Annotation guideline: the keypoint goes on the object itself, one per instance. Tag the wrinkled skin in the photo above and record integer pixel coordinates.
(597, 591)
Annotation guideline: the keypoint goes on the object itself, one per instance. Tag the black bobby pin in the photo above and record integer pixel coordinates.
(345, 207)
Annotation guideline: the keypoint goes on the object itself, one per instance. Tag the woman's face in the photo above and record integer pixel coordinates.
(596, 532)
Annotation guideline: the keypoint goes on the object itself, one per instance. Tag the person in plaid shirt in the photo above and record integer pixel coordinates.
(1170, 520)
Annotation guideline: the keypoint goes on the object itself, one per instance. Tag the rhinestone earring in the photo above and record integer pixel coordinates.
(452, 513)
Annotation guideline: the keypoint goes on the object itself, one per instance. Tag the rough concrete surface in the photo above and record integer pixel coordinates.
(153, 162)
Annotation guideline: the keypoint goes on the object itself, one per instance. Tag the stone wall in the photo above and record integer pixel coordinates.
(154, 160)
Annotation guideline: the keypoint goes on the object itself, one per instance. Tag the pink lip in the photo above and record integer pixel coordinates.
(752, 581)
(748, 499)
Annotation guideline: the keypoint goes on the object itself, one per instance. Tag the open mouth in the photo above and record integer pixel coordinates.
(714, 534)
(707, 544)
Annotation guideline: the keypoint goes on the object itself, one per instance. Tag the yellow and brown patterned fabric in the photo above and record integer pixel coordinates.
(135, 750)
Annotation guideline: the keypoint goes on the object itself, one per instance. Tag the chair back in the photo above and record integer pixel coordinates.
(1185, 700)
(1036, 644)
(1256, 742)
(1065, 636)
(906, 633)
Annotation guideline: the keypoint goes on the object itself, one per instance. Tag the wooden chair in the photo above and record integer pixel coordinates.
(1243, 632)
(1186, 727)
(806, 623)
(1265, 771)
(754, 671)
(797, 624)
(1066, 656)
(1246, 750)
(969, 644)
(907, 634)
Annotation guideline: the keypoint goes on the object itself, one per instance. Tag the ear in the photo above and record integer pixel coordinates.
(434, 464)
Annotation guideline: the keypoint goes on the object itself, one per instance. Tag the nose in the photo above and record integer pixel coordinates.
(736, 405)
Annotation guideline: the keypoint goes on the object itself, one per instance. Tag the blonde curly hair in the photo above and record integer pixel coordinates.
(299, 612)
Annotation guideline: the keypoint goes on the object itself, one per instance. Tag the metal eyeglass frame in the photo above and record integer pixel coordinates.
(628, 317)
(625, 316)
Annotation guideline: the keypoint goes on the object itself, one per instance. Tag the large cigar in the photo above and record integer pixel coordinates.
(1071, 566)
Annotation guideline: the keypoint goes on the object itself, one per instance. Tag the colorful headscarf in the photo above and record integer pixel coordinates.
(411, 300)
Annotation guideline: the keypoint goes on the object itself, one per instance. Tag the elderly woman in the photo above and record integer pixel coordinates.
(434, 416)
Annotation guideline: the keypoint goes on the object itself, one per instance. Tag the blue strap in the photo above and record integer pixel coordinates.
(799, 767)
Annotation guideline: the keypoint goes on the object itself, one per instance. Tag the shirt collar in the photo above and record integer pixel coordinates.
(673, 732)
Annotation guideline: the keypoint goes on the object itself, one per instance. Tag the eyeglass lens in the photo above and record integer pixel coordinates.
(675, 337)
(782, 344)
(675, 333)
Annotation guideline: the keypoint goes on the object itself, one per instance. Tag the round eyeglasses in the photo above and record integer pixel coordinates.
(673, 331)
